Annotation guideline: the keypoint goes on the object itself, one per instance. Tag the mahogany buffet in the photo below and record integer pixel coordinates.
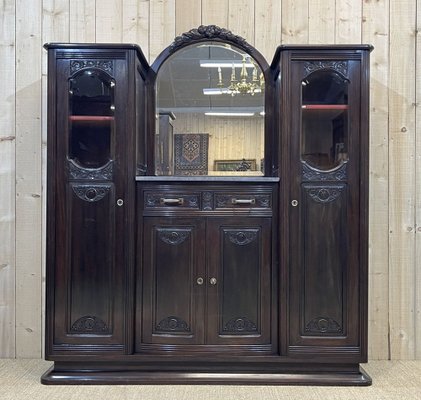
(207, 216)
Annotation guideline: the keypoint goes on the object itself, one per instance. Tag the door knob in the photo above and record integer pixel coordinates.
(294, 203)
(212, 281)
(199, 281)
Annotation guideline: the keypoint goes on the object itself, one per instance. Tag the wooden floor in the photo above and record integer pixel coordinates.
(397, 380)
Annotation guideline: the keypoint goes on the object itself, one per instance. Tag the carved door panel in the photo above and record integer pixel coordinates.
(239, 289)
(324, 205)
(91, 205)
(173, 281)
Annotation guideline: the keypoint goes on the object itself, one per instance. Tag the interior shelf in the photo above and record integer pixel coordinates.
(90, 118)
(325, 106)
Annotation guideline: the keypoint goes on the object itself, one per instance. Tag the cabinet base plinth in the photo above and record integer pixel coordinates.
(74, 377)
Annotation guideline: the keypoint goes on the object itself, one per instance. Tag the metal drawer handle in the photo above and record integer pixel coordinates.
(243, 201)
(171, 202)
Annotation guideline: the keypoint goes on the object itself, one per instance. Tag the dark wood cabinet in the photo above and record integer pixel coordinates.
(206, 279)
(248, 266)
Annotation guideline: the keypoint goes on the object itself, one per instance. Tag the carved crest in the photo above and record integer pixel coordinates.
(173, 236)
(242, 238)
(240, 325)
(78, 172)
(89, 324)
(208, 32)
(324, 194)
(91, 193)
(310, 174)
(338, 66)
(323, 325)
(172, 324)
(105, 65)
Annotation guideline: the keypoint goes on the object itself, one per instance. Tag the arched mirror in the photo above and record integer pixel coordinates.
(210, 112)
(324, 138)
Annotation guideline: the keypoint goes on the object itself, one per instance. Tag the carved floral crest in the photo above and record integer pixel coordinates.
(204, 32)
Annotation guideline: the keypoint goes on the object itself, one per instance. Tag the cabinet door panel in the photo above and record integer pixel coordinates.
(324, 222)
(239, 296)
(172, 298)
(324, 259)
(92, 228)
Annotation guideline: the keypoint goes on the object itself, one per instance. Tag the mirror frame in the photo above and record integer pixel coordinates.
(213, 33)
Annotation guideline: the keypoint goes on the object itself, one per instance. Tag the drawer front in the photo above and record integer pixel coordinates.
(241, 200)
(171, 199)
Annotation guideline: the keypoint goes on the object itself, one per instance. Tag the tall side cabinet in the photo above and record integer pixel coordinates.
(250, 266)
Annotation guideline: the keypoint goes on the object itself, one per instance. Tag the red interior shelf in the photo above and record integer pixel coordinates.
(325, 106)
(93, 118)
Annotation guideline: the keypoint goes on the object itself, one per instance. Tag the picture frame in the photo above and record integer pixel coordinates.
(235, 165)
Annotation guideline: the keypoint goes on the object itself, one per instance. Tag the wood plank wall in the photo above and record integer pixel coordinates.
(392, 26)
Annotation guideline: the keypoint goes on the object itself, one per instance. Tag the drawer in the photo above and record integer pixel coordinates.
(171, 199)
(240, 200)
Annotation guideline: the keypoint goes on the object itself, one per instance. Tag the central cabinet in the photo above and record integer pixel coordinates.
(207, 215)
(207, 268)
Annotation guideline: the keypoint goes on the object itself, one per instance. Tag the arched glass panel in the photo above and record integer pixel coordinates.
(91, 118)
(324, 137)
(209, 112)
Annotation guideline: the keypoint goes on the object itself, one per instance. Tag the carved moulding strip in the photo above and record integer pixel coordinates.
(89, 324)
(323, 325)
(91, 193)
(77, 172)
(105, 65)
(242, 238)
(207, 201)
(173, 237)
(172, 324)
(240, 325)
(338, 66)
(324, 194)
(311, 174)
(208, 32)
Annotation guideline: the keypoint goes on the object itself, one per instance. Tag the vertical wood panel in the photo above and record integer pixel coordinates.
(215, 12)
(82, 21)
(418, 190)
(136, 24)
(7, 180)
(402, 179)
(109, 21)
(376, 31)
(349, 17)
(267, 30)
(28, 178)
(241, 19)
(188, 15)
(321, 21)
(295, 21)
(55, 28)
(162, 26)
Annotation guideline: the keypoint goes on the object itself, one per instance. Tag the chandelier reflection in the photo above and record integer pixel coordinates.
(244, 85)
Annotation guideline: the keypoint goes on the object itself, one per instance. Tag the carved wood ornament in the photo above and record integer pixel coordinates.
(208, 32)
